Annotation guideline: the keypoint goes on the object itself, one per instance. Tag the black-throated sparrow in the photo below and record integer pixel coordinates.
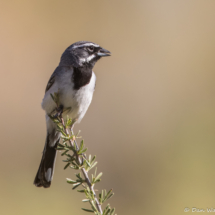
(75, 81)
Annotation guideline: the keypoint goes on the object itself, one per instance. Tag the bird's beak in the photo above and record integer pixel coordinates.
(103, 53)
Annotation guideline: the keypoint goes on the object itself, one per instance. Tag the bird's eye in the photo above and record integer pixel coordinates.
(91, 48)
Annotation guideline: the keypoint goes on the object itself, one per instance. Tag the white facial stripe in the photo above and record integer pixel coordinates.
(83, 60)
(90, 58)
(85, 44)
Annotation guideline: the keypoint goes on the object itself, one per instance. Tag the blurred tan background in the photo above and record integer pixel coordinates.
(152, 119)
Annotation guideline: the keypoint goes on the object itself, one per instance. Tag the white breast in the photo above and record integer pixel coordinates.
(78, 100)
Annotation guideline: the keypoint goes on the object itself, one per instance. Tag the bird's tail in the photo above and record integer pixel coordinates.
(46, 169)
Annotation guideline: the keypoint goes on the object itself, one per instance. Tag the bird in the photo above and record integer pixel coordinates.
(74, 80)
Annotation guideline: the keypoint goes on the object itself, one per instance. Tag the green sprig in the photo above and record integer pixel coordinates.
(76, 159)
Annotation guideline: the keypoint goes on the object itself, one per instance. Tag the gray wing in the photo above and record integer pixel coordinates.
(50, 82)
(52, 78)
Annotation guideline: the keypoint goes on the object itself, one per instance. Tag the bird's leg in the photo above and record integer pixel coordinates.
(59, 111)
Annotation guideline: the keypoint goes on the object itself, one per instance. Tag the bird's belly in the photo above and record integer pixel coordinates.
(79, 103)
(77, 100)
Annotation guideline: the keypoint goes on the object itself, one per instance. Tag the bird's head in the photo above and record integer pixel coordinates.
(83, 53)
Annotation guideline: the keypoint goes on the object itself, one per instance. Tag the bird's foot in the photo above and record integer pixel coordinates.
(59, 111)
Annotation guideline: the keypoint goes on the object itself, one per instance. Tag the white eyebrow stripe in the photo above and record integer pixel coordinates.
(85, 44)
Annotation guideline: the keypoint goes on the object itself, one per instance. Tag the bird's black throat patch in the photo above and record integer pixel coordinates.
(81, 77)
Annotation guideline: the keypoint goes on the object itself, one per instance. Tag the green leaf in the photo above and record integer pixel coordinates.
(93, 165)
(65, 137)
(107, 195)
(87, 193)
(68, 121)
(101, 197)
(106, 209)
(93, 159)
(95, 171)
(98, 180)
(110, 196)
(74, 167)
(87, 210)
(76, 185)
(70, 156)
(109, 192)
(66, 165)
(64, 153)
(92, 195)
(93, 206)
(60, 127)
(88, 164)
(56, 121)
(80, 191)
(62, 132)
(79, 175)
(50, 116)
(82, 145)
(82, 151)
(85, 200)
(61, 145)
(70, 181)
(74, 145)
(98, 176)
(112, 211)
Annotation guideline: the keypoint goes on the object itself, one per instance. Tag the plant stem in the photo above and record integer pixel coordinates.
(85, 173)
